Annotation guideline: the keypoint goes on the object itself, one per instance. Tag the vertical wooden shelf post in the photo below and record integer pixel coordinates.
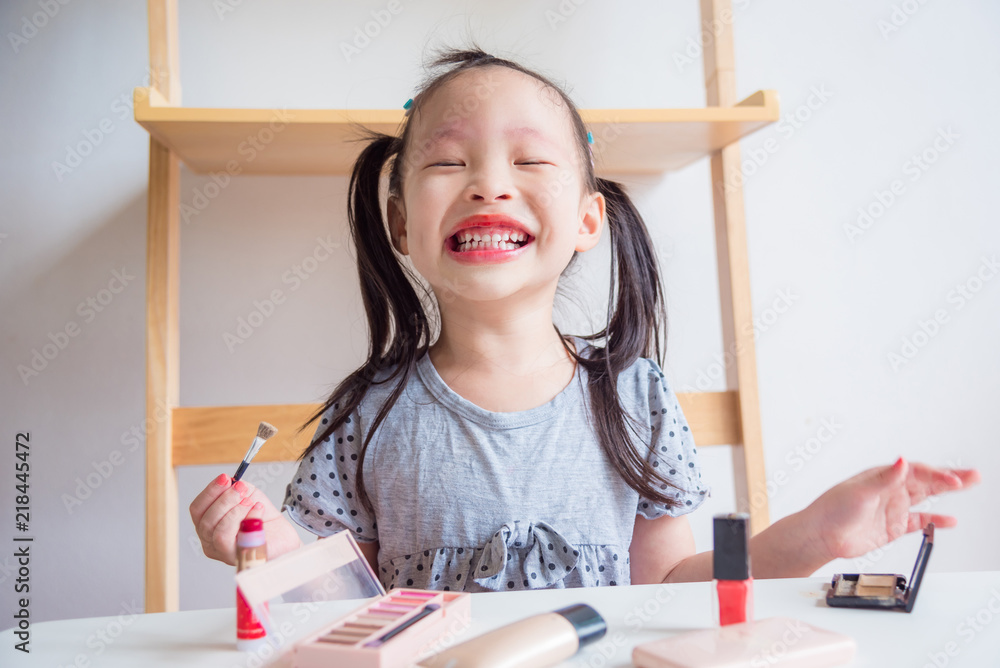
(162, 348)
(734, 271)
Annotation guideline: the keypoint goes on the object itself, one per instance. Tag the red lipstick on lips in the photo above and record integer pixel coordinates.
(487, 223)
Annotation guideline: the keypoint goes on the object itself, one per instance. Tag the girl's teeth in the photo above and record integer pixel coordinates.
(506, 235)
(493, 245)
(505, 240)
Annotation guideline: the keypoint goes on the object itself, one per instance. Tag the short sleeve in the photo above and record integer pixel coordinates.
(672, 452)
(322, 495)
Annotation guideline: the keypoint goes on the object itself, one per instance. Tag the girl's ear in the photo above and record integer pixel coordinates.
(591, 222)
(397, 225)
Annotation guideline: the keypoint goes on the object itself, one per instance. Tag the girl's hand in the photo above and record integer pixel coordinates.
(873, 508)
(219, 509)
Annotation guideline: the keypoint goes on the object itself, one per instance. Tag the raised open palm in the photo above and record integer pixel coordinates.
(874, 507)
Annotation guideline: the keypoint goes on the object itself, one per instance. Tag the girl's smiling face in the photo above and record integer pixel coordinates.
(493, 154)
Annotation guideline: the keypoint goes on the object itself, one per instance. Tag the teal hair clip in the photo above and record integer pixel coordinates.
(590, 145)
(590, 137)
(408, 106)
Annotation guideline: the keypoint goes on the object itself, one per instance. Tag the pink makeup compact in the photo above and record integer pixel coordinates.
(387, 630)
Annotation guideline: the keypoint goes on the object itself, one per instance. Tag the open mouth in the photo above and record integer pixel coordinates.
(471, 240)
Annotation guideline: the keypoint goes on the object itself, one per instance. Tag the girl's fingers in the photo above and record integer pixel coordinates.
(967, 476)
(203, 501)
(919, 520)
(269, 511)
(927, 481)
(225, 502)
(223, 538)
(256, 512)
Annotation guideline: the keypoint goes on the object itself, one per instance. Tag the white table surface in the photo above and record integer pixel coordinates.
(956, 622)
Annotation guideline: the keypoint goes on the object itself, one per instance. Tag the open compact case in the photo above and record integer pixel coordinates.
(883, 591)
(385, 631)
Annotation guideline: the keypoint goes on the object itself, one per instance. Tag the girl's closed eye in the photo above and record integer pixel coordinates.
(441, 158)
(447, 163)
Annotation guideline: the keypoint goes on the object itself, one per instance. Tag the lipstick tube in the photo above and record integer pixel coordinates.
(733, 597)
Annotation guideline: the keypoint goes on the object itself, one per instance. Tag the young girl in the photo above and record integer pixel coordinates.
(505, 455)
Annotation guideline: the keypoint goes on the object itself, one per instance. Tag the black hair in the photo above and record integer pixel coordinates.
(399, 325)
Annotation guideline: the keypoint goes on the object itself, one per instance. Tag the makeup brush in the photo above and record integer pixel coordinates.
(264, 432)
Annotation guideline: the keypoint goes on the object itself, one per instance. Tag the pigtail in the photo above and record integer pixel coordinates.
(635, 324)
(636, 318)
(399, 333)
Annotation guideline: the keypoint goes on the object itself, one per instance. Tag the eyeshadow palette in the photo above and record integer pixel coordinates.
(881, 591)
(389, 630)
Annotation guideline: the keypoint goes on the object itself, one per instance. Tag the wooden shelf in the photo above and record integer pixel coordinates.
(317, 141)
(203, 435)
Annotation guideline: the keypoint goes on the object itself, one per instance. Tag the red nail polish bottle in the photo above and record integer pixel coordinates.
(733, 596)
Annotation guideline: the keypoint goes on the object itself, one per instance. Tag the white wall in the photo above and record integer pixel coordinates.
(825, 359)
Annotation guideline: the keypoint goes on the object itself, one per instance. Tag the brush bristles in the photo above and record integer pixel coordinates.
(266, 431)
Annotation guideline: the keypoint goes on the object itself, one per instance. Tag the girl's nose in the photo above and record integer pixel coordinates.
(489, 185)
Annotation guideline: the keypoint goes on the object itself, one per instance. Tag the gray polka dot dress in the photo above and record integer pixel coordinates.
(466, 499)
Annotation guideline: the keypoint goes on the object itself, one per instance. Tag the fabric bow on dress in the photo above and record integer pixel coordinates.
(545, 557)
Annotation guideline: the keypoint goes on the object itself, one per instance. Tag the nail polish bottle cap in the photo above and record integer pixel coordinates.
(731, 559)
(252, 524)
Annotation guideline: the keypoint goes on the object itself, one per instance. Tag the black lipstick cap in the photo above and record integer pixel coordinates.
(731, 560)
(589, 625)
